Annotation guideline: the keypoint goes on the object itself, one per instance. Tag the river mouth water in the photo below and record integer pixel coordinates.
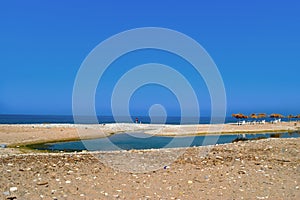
(139, 140)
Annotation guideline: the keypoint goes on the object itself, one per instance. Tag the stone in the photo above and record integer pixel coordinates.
(13, 189)
(42, 183)
(219, 158)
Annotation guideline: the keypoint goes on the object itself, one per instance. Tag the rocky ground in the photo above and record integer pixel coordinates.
(260, 169)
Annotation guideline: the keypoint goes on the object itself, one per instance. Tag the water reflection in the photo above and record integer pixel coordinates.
(129, 141)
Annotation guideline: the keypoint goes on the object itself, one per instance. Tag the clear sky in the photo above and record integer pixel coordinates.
(255, 44)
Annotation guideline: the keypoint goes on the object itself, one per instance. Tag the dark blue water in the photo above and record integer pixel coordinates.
(142, 141)
(40, 119)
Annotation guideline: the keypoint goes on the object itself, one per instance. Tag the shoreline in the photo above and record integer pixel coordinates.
(260, 169)
(14, 135)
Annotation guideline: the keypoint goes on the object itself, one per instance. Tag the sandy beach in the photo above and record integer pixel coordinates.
(21, 134)
(261, 169)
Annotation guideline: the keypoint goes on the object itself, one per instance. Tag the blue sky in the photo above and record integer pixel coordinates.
(255, 44)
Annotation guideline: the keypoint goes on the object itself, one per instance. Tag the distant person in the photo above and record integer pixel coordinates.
(136, 120)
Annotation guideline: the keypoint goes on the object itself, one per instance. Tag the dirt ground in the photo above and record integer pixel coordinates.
(260, 169)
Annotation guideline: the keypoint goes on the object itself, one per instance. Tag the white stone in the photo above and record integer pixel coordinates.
(13, 189)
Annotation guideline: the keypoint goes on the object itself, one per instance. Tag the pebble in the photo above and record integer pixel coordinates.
(68, 182)
(6, 193)
(13, 189)
(190, 182)
(219, 157)
(266, 197)
(42, 183)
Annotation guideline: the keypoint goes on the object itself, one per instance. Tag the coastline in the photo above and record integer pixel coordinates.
(14, 135)
(256, 169)
(261, 169)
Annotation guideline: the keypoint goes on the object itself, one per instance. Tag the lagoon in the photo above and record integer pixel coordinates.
(139, 140)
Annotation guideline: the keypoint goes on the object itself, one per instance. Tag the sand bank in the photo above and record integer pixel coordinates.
(21, 134)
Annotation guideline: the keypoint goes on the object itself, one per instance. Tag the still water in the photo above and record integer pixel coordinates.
(139, 140)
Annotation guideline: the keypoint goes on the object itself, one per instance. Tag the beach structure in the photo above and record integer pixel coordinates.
(275, 115)
(262, 115)
(240, 116)
(277, 118)
(258, 116)
(291, 117)
(253, 116)
(263, 121)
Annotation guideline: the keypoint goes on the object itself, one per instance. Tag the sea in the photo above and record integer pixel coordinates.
(68, 119)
